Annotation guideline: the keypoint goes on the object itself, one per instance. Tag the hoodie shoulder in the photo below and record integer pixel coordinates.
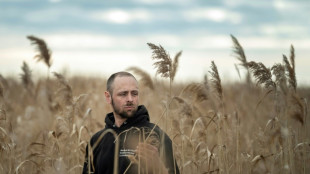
(95, 137)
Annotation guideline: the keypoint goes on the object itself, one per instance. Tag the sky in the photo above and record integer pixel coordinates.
(100, 37)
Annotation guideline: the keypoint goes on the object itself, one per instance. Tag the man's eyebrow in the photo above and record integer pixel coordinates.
(123, 91)
(135, 90)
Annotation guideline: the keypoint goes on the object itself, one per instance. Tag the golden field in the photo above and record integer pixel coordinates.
(258, 125)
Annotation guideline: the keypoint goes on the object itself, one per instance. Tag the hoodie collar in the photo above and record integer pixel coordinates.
(141, 116)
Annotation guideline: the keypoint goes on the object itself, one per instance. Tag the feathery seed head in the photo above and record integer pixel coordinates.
(216, 80)
(175, 65)
(262, 74)
(145, 77)
(290, 73)
(26, 75)
(44, 52)
(164, 62)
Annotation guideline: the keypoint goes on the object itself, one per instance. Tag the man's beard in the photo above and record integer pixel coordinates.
(123, 114)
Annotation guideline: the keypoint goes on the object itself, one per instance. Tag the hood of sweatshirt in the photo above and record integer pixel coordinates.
(141, 117)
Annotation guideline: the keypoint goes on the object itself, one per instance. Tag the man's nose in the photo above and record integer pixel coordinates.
(129, 97)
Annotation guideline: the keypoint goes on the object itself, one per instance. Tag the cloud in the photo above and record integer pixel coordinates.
(234, 3)
(54, 1)
(161, 2)
(86, 53)
(78, 41)
(272, 43)
(50, 14)
(121, 16)
(284, 29)
(213, 14)
(197, 42)
(150, 1)
(282, 5)
(87, 41)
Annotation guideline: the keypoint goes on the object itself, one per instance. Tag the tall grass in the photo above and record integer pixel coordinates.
(215, 127)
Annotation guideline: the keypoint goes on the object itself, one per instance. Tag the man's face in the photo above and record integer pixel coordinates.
(125, 97)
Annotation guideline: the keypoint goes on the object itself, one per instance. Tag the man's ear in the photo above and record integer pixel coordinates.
(108, 97)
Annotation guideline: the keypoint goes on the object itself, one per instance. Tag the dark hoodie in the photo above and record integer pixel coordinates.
(129, 133)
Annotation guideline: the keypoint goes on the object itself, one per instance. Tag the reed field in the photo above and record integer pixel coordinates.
(259, 124)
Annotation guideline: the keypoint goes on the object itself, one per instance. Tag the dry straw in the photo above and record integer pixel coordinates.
(44, 52)
(146, 79)
(196, 91)
(165, 66)
(26, 75)
(262, 74)
(175, 65)
(290, 68)
(1, 91)
(216, 80)
(278, 70)
(240, 55)
(164, 63)
(65, 91)
(260, 141)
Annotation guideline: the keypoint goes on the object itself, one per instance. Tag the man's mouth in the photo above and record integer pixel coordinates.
(129, 107)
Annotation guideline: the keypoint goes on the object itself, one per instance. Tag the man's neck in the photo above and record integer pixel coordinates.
(119, 120)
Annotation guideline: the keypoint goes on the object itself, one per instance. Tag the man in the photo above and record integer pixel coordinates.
(143, 146)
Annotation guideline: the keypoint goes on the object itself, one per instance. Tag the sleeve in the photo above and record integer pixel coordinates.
(85, 167)
(170, 161)
(86, 161)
